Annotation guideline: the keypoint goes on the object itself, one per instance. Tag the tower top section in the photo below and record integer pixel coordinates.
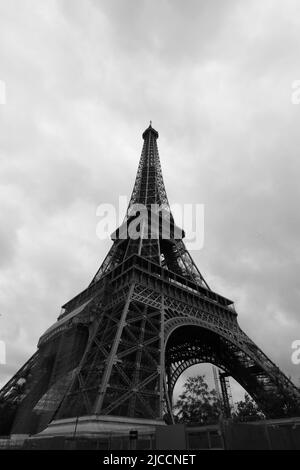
(150, 131)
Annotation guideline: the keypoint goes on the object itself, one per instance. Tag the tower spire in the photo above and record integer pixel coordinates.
(149, 186)
(165, 249)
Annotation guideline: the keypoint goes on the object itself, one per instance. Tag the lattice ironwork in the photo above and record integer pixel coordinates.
(149, 190)
(119, 346)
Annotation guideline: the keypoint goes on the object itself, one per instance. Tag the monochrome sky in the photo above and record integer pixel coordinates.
(83, 79)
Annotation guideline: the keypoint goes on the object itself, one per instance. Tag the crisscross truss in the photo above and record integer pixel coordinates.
(140, 371)
(120, 371)
(123, 351)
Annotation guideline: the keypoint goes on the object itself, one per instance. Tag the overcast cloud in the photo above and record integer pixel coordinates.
(83, 79)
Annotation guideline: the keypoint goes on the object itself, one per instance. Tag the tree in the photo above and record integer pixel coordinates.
(247, 410)
(198, 404)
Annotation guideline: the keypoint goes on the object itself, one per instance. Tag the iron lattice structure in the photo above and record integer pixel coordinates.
(118, 347)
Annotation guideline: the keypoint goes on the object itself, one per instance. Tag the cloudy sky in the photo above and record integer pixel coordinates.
(83, 78)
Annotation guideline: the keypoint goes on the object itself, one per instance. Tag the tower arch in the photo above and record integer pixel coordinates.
(189, 341)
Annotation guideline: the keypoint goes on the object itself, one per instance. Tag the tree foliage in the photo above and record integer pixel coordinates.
(198, 404)
(247, 410)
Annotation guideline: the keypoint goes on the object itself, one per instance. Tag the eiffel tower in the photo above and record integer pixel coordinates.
(112, 359)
